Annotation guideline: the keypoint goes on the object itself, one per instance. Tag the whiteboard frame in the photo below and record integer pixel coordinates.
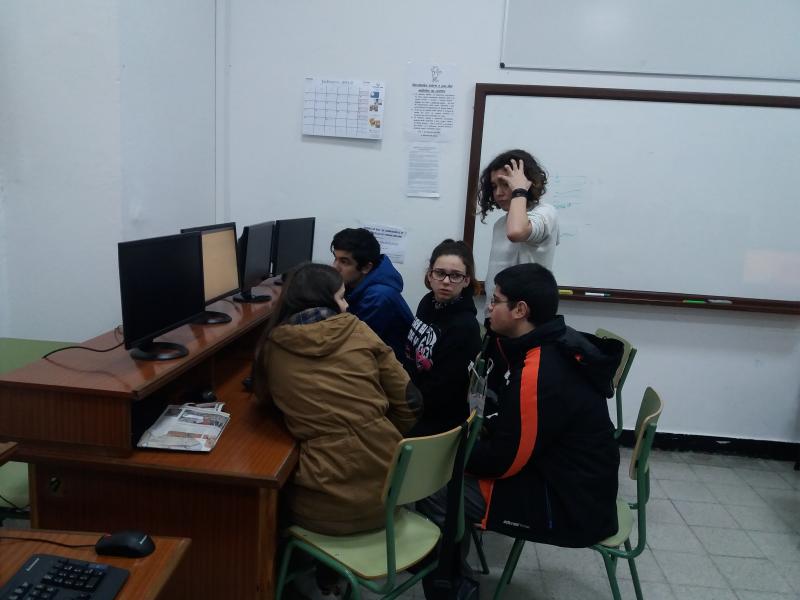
(684, 300)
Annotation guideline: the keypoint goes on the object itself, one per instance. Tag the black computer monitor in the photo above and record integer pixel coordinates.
(294, 243)
(220, 267)
(161, 288)
(255, 259)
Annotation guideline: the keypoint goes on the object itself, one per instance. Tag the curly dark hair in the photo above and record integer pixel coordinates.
(532, 169)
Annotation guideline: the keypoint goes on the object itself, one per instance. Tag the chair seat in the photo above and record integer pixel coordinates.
(625, 526)
(365, 553)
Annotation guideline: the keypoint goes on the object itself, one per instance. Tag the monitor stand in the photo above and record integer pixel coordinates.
(247, 296)
(212, 317)
(159, 351)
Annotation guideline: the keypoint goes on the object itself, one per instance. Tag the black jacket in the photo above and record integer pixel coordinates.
(442, 341)
(548, 462)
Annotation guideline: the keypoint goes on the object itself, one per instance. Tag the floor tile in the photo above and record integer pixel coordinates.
(755, 518)
(570, 560)
(694, 491)
(704, 513)
(661, 470)
(757, 574)
(705, 458)
(714, 474)
(780, 499)
(791, 573)
(662, 511)
(727, 542)
(751, 595)
(763, 479)
(778, 547)
(736, 495)
(791, 476)
(525, 584)
(695, 592)
(678, 538)
(646, 567)
(686, 569)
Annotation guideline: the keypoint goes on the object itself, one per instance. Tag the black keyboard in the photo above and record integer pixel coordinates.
(49, 577)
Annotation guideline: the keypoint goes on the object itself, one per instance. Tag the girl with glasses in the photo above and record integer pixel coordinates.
(444, 338)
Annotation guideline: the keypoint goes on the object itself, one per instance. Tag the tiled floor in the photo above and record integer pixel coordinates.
(719, 528)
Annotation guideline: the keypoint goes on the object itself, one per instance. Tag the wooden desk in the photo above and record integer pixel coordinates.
(148, 575)
(6, 450)
(86, 475)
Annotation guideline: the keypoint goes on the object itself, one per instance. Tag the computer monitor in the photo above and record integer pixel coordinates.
(255, 259)
(294, 243)
(220, 267)
(161, 288)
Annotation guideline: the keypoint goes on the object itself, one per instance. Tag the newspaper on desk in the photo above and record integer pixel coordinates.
(192, 427)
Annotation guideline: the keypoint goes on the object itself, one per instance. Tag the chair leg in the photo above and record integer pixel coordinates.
(611, 571)
(478, 541)
(511, 564)
(634, 573)
(287, 555)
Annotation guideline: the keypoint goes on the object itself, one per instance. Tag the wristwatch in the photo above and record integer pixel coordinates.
(519, 192)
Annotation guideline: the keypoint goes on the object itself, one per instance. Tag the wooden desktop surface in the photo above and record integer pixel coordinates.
(85, 473)
(148, 575)
(6, 450)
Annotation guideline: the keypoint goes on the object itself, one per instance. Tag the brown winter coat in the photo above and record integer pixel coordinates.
(343, 396)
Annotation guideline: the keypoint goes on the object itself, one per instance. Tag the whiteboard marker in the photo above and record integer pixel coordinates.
(719, 301)
(598, 294)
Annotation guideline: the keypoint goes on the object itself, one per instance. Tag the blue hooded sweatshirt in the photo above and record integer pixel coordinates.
(377, 301)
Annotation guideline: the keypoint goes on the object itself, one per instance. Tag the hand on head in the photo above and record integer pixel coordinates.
(514, 175)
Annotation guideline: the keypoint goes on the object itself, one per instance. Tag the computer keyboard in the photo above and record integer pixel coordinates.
(50, 577)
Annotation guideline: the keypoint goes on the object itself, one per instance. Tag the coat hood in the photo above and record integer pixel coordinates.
(596, 358)
(384, 273)
(315, 339)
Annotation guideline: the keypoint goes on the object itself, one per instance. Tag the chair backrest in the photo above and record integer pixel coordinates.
(649, 412)
(427, 464)
(628, 354)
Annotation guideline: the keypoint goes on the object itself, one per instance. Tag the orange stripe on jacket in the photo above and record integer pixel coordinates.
(529, 413)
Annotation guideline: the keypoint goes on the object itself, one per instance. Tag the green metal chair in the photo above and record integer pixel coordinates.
(16, 353)
(609, 549)
(628, 355)
(372, 559)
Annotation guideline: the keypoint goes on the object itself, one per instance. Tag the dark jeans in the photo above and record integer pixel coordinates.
(435, 508)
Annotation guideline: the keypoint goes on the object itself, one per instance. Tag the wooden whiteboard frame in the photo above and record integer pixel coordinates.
(684, 300)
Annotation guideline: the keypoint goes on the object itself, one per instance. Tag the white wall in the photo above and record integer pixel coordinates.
(89, 152)
(59, 159)
(106, 133)
(732, 374)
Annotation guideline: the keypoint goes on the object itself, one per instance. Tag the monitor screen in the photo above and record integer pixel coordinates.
(294, 243)
(255, 262)
(161, 285)
(220, 266)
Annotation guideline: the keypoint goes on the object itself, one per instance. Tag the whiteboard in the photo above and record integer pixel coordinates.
(724, 38)
(660, 196)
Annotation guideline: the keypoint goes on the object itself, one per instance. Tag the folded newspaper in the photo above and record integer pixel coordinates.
(193, 427)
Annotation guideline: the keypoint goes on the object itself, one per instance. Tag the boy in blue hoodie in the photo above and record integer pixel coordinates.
(374, 287)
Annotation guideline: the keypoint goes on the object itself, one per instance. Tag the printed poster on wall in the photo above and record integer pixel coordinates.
(432, 102)
(350, 108)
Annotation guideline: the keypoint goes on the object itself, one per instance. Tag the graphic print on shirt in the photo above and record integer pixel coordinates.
(421, 339)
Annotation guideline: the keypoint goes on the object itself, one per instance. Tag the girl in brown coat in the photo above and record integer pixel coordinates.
(343, 396)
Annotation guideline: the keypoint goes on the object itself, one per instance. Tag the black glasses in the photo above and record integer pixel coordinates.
(455, 276)
(495, 300)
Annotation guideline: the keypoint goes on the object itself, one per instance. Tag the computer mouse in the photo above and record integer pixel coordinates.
(132, 544)
(208, 396)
